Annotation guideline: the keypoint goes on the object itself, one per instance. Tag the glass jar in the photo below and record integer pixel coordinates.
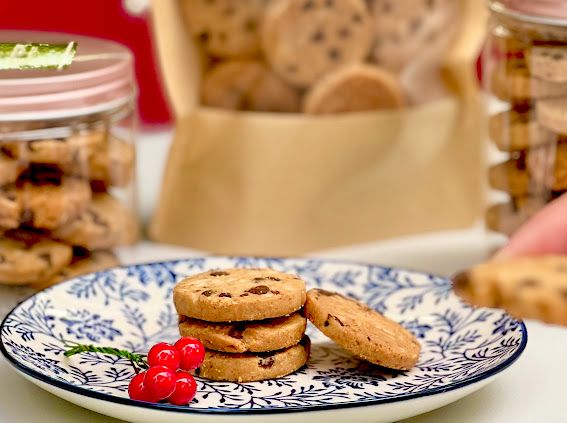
(525, 76)
(67, 163)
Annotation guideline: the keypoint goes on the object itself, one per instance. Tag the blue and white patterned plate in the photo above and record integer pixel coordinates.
(131, 307)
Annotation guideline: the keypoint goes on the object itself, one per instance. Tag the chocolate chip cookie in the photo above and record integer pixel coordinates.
(46, 203)
(549, 63)
(305, 39)
(250, 367)
(104, 223)
(527, 287)
(362, 331)
(406, 30)
(239, 294)
(515, 131)
(10, 209)
(10, 169)
(27, 256)
(225, 28)
(240, 337)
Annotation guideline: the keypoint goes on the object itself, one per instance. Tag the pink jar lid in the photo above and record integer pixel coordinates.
(100, 78)
(550, 12)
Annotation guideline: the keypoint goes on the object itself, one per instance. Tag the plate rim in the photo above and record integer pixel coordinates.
(229, 411)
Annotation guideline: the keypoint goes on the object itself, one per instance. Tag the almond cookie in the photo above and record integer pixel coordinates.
(47, 204)
(354, 88)
(362, 331)
(225, 28)
(549, 63)
(62, 151)
(239, 294)
(27, 256)
(511, 81)
(249, 367)
(409, 29)
(248, 85)
(104, 223)
(552, 114)
(515, 131)
(83, 262)
(527, 287)
(257, 336)
(508, 217)
(305, 39)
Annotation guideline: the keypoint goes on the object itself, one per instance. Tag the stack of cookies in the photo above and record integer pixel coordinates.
(252, 323)
(57, 216)
(249, 320)
(316, 56)
(530, 81)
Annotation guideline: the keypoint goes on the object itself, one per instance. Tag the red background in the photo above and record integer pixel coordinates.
(104, 19)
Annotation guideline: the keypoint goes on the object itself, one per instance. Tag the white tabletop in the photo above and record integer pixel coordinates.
(534, 389)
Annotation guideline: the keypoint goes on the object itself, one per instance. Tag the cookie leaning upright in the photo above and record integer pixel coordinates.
(361, 330)
(305, 39)
(239, 295)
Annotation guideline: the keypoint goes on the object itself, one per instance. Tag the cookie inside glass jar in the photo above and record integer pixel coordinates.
(67, 160)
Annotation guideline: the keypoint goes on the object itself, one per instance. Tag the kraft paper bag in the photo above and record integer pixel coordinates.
(248, 183)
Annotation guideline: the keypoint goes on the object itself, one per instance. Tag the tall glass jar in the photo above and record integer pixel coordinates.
(525, 75)
(67, 163)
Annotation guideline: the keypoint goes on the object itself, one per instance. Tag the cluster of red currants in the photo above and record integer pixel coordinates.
(167, 377)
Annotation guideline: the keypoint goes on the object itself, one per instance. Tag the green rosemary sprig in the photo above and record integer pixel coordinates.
(136, 359)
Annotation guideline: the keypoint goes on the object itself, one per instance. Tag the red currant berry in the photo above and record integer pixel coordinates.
(185, 389)
(164, 354)
(159, 382)
(137, 390)
(192, 352)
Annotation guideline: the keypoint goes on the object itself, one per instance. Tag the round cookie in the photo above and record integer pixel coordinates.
(514, 131)
(10, 169)
(47, 204)
(549, 63)
(225, 28)
(362, 331)
(83, 262)
(354, 88)
(406, 30)
(26, 257)
(250, 367)
(104, 223)
(75, 149)
(248, 85)
(511, 81)
(239, 294)
(241, 337)
(305, 39)
(552, 114)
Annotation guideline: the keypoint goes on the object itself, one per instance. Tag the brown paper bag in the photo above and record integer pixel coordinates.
(285, 184)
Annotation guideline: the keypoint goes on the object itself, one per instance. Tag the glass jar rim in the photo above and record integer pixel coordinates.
(542, 12)
(100, 78)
